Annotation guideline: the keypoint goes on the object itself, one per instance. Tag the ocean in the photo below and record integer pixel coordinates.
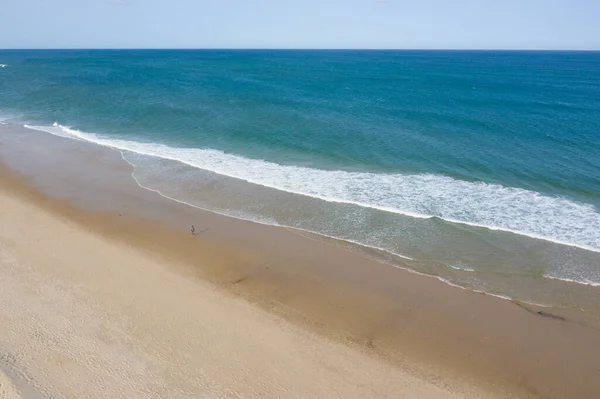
(479, 168)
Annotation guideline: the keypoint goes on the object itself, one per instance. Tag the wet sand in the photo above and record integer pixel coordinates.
(353, 320)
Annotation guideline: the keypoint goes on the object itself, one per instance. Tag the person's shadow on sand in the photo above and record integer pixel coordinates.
(195, 233)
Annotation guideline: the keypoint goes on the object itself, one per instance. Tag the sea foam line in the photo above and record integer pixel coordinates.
(407, 269)
(568, 280)
(295, 230)
(462, 268)
(478, 204)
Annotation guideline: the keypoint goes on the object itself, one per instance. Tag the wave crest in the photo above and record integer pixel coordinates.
(491, 206)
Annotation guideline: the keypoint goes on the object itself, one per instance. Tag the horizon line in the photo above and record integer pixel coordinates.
(291, 49)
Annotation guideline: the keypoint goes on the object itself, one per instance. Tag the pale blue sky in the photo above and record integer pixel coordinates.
(472, 24)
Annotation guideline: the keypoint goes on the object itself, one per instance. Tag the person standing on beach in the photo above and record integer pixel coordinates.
(193, 230)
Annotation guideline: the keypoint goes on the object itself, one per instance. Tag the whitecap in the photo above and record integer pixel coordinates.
(491, 206)
(582, 281)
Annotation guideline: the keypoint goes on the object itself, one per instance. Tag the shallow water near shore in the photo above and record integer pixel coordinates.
(33, 153)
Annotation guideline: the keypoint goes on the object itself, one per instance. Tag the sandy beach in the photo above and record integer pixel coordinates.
(86, 317)
(103, 293)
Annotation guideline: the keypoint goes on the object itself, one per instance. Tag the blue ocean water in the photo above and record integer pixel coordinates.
(469, 159)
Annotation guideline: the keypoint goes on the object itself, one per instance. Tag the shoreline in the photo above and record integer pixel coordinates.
(497, 262)
(382, 254)
(84, 316)
(402, 317)
(66, 132)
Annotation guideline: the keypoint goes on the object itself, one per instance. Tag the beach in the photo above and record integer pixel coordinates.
(86, 317)
(86, 313)
(106, 294)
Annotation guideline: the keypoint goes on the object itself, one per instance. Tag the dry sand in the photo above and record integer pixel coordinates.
(7, 389)
(84, 317)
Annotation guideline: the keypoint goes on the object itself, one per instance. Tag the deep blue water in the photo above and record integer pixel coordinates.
(503, 140)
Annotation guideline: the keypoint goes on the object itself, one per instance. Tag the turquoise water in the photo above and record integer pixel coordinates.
(474, 165)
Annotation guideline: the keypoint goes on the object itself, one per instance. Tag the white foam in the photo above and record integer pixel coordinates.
(479, 204)
(461, 267)
(569, 280)
(298, 229)
(262, 220)
(500, 296)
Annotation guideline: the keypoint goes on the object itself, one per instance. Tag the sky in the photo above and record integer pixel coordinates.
(366, 24)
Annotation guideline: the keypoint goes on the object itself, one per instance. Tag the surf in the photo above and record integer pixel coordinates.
(490, 206)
